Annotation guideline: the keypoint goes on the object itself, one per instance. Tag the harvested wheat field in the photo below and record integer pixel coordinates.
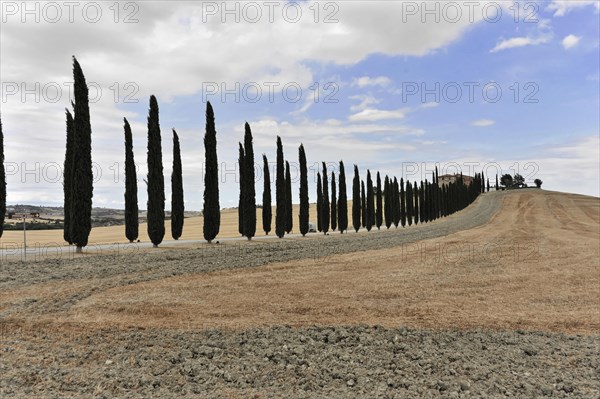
(116, 234)
(499, 300)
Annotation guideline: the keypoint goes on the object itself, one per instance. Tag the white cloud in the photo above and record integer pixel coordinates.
(570, 41)
(365, 102)
(562, 7)
(365, 81)
(373, 114)
(483, 122)
(519, 42)
(540, 33)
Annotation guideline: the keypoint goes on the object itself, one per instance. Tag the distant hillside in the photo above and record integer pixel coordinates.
(100, 216)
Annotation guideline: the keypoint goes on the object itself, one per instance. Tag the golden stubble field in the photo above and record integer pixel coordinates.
(534, 266)
(192, 230)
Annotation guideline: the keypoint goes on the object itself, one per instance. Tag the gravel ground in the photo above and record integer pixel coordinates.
(75, 361)
(340, 362)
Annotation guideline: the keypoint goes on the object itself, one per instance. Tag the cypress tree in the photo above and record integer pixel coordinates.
(333, 203)
(280, 211)
(370, 202)
(82, 189)
(422, 204)
(440, 197)
(304, 205)
(396, 198)
(211, 210)
(249, 182)
(289, 213)
(388, 203)
(131, 200)
(488, 185)
(325, 205)
(416, 206)
(342, 201)
(481, 182)
(402, 203)
(427, 201)
(433, 205)
(241, 200)
(2, 182)
(319, 203)
(496, 182)
(156, 181)
(379, 212)
(67, 177)
(177, 205)
(363, 204)
(266, 202)
(410, 204)
(356, 200)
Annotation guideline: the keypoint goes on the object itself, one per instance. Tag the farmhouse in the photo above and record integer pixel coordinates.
(447, 179)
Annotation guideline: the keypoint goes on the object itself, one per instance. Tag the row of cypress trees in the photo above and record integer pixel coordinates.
(390, 203)
(402, 204)
(155, 183)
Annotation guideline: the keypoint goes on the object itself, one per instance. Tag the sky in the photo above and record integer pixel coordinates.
(395, 87)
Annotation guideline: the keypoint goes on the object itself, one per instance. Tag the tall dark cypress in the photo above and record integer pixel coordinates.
(496, 182)
(156, 181)
(280, 211)
(325, 204)
(422, 204)
(82, 189)
(67, 177)
(266, 201)
(2, 182)
(177, 203)
(379, 211)
(397, 205)
(426, 201)
(356, 200)
(409, 199)
(131, 200)
(363, 204)
(289, 213)
(402, 203)
(370, 202)
(481, 182)
(333, 203)
(342, 201)
(488, 184)
(388, 203)
(304, 205)
(211, 209)
(249, 182)
(241, 201)
(417, 200)
(319, 203)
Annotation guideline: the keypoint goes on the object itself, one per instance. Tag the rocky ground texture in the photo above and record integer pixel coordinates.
(318, 362)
